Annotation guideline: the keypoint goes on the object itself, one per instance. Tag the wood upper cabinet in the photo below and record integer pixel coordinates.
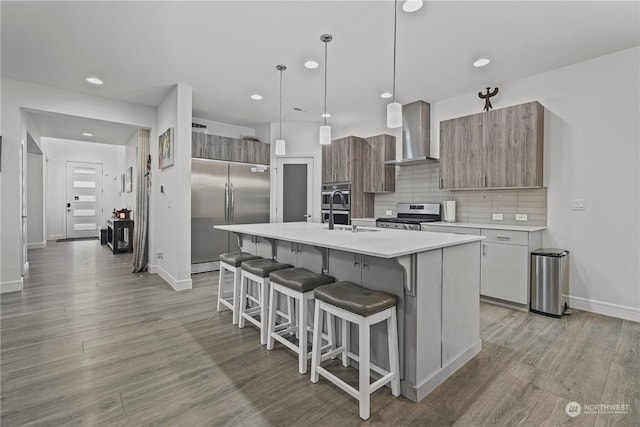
(381, 178)
(230, 149)
(513, 146)
(497, 149)
(339, 157)
(461, 152)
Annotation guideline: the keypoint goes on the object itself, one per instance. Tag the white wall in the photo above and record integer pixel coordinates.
(225, 129)
(591, 152)
(35, 201)
(170, 211)
(18, 95)
(128, 200)
(59, 151)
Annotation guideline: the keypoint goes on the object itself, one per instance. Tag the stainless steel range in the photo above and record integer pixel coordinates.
(410, 215)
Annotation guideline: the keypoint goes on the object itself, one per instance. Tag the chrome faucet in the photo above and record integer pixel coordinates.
(344, 204)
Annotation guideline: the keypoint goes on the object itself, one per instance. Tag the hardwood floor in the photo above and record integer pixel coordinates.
(89, 343)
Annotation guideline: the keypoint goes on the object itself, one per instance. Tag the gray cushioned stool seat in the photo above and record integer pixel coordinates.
(263, 267)
(354, 298)
(299, 279)
(237, 258)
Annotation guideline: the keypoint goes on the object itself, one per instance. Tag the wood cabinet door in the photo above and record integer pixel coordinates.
(461, 152)
(342, 159)
(327, 163)
(513, 142)
(379, 177)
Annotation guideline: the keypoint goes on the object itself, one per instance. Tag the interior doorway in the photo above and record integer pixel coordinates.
(295, 179)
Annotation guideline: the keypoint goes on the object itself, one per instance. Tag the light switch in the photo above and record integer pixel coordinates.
(522, 217)
(497, 217)
(578, 205)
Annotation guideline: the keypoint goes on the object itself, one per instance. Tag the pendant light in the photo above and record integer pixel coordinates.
(280, 144)
(325, 130)
(394, 109)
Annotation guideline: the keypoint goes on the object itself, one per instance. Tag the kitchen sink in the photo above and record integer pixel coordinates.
(349, 228)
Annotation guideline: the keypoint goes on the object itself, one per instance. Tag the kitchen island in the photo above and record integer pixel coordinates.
(436, 277)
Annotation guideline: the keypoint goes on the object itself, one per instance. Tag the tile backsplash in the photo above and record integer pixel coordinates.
(419, 183)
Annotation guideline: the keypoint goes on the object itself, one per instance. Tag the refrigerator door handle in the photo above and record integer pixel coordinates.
(233, 202)
(226, 202)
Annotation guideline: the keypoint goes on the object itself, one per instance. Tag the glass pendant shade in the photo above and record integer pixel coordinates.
(325, 135)
(280, 147)
(394, 115)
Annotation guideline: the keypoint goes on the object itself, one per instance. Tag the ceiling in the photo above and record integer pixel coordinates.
(227, 50)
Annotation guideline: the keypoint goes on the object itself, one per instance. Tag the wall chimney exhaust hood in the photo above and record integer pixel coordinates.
(416, 135)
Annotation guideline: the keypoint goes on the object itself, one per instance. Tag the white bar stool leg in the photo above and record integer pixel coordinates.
(244, 282)
(364, 356)
(236, 295)
(220, 286)
(394, 363)
(346, 341)
(317, 342)
(264, 290)
(301, 331)
(272, 318)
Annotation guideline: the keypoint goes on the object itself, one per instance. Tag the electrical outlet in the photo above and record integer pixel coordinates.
(522, 217)
(389, 213)
(160, 255)
(497, 217)
(578, 205)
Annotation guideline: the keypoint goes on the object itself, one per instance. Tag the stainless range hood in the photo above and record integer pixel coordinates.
(416, 138)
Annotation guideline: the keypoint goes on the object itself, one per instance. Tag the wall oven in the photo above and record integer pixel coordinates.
(339, 217)
(328, 189)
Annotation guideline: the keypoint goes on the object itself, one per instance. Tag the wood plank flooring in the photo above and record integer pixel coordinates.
(89, 343)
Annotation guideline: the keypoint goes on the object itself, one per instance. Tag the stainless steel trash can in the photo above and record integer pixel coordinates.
(549, 281)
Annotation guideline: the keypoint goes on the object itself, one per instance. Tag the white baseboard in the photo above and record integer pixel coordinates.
(177, 285)
(14, 286)
(55, 237)
(605, 308)
(40, 245)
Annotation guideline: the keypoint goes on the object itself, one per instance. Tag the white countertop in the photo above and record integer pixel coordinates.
(528, 228)
(383, 243)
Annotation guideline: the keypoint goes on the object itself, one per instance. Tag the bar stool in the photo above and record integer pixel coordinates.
(363, 307)
(257, 271)
(296, 284)
(229, 263)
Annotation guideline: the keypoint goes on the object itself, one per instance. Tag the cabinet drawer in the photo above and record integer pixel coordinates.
(452, 230)
(506, 236)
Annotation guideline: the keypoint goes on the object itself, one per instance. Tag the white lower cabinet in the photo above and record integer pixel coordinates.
(504, 260)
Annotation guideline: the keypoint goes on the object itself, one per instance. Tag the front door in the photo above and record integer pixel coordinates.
(83, 199)
(295, 190)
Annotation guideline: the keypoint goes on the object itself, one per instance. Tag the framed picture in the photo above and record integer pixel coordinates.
(128, 180)
(122, 183)
(165, 149)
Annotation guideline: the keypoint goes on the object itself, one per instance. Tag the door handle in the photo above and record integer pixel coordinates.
(484, 249)
(226, 202)
(307, 216)
(233, 201)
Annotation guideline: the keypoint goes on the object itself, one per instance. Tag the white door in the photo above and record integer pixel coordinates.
(83, 199)
(295, 190)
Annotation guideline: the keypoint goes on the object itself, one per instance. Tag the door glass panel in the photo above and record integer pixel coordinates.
(294, 192)
(84, 171)
(84, 184)
(83, 227)
(86, 198)
(84, 212)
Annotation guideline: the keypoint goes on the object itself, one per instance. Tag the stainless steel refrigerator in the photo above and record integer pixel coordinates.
(224, 193)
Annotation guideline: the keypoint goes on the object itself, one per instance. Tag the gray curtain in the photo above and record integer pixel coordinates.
(141, 224)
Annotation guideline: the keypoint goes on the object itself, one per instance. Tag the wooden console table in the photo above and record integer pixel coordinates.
(120, 235)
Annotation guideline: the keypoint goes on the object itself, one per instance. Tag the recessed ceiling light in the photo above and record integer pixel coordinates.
(327, 115)
(311, 64)
(481, 62)
(87, 134)
(94, 80)
(412, 5)
(256, 97)
(386, 95)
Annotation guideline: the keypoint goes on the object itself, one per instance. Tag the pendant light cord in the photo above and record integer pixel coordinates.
(325, 83)
(280, 103)
(395, 23)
